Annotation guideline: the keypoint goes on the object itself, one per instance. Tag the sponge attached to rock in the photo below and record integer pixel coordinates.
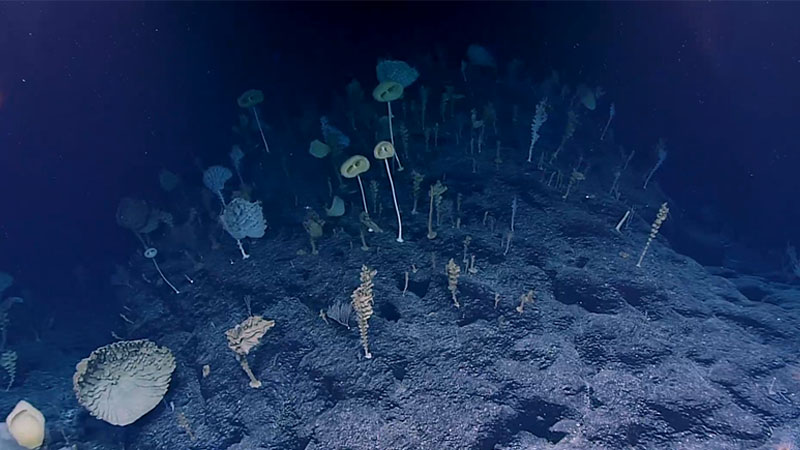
(243, 219)
(123, 381)
(25, 425)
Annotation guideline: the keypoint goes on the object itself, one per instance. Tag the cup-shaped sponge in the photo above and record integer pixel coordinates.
(123, 381)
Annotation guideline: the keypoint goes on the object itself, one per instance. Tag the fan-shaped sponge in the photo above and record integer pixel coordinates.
(215, 178)
(397, 71)
(123, 381)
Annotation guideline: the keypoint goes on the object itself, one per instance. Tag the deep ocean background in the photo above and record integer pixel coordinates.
(694, 349)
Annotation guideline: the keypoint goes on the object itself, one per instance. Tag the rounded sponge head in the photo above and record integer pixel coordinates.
(26, 425)
(354, 166)
(250, 98)
(383, 150)
(387, 91)
(242, 219)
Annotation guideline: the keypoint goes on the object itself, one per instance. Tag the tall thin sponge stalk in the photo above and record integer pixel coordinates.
(660, 218)
(249, 100)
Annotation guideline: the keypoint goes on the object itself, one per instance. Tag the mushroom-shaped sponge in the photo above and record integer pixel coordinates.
(354, 166)
(245, 337)
(26, 425)
(250, 98)
(383, 150)
(123, 381)
(388, 91)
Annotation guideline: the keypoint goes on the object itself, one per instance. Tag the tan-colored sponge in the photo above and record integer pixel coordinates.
(26, 425)
(362, 304)
(245, 337)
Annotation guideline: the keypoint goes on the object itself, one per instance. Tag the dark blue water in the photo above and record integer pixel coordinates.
(694, 349)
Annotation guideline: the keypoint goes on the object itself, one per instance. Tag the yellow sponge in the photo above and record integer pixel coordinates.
(26, 425)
